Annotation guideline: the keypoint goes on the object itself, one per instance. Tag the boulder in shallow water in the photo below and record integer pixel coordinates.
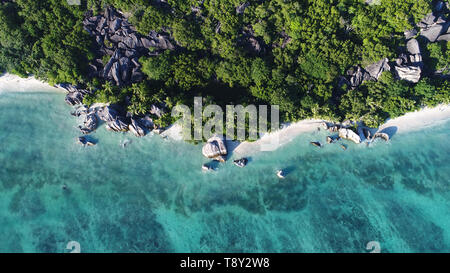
(316, 143)
(215, 148)
(85, 141)
(349, 135)
(241, 162)
(89, 124)
(382, 136)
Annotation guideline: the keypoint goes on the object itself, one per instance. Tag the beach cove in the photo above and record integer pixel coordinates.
(147, 197)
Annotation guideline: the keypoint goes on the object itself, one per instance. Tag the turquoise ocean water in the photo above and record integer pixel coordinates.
(153, 197)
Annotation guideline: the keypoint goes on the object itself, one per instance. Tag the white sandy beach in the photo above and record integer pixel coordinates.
(408, 122)
(10, 82)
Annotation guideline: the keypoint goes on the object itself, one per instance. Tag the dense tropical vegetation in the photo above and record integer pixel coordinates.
(284, 52)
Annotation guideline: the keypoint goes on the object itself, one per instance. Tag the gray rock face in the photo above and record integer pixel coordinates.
(445, 37)
(90, 124)
(117, 125)
(409, 73)
(136, 128)
(431, 27)
(107, 114)
(433, 32)
(376, 69)
(117, 38)
(357, 75)
(413, 47)
(410, 34)
(74, 94)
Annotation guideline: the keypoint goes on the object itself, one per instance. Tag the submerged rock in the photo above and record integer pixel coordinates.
(349, 135)
(241, 162)
(382, 136)
(84, 141)
(316, 143)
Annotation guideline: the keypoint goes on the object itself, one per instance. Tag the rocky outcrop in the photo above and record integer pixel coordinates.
(349, 135)
(357, 76)
(136, 128)
(107, 114)
(75, 95)
(432, 26)
(118, 125)
(376, 69)
(90, 123)
(117, 38)
(215, 148)
(408, 73)
(409, 66)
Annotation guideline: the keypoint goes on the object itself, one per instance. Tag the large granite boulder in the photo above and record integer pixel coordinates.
(215, 148)
(408, 73)
(136, 128)
(432, 26)
(376, 69)
(117, 38)
(413, 47)
(349, 135)
(89, 124)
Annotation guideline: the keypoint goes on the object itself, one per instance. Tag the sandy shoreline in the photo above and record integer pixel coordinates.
(408, 122)
(10, 82)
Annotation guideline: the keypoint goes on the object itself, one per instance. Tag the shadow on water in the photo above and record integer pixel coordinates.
(391, 131)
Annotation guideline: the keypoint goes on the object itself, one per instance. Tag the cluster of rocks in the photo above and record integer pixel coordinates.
(435, 26)
(408, 66)
(75, 94)
(119, 40)
(356, 75)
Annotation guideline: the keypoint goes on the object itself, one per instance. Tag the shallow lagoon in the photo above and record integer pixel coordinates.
(153, 197)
